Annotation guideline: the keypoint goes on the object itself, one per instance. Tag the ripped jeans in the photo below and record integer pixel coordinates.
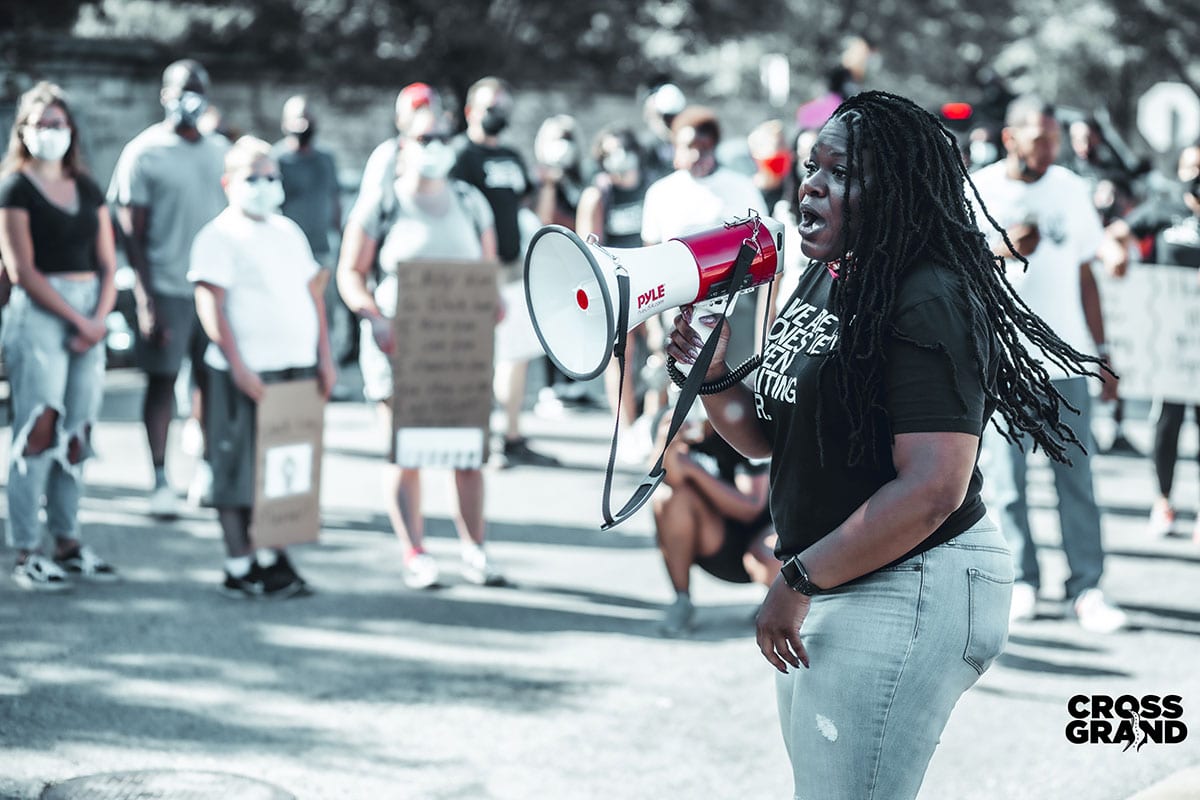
(47, 376)
(891, 653)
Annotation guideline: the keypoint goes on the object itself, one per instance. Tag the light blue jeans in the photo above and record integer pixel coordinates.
(44, 373)
(890, 655)
(1005, 490)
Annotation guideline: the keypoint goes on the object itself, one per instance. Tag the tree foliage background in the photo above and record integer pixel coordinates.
(1085, 53)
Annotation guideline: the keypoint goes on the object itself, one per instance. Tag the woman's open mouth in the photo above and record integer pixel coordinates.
(810, 221)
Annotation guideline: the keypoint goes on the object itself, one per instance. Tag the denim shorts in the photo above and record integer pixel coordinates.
(890, 655)
(44, 373)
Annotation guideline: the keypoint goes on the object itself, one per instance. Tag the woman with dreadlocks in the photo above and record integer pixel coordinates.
(877, 379)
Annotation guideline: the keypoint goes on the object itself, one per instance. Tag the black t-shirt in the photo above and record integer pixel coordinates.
(1179, 245)
(930, 388)
(1151, 217)
(62, 241)
(623, 214)
(498, 172)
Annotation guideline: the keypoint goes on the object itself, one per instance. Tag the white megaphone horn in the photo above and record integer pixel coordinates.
(571, 285)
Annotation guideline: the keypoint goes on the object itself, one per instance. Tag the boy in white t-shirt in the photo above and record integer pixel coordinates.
(259, 296)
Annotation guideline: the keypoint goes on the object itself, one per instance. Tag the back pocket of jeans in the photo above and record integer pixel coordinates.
(988, 599)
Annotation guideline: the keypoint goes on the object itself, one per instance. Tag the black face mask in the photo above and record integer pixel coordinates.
(1026, 170)
(494, 121)
(305, 137)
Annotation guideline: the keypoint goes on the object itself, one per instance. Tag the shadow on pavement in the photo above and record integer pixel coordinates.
(1057, 644)
(1030, 664)
(1159, 555)
(161, 656)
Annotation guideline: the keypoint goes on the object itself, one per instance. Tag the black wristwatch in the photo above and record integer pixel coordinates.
(796, 576)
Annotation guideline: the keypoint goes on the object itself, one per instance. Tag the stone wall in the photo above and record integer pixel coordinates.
(114, 101)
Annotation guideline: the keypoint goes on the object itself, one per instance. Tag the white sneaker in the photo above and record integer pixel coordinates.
(1024, 603)
(420, 571)
(632, 450)
(548, 406)
(1096, 614)
(478, 568)
(40, 574)
(200, 490)
(164, 503)
(1162, 521)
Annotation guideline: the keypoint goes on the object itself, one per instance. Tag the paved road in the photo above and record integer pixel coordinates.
(556, 688)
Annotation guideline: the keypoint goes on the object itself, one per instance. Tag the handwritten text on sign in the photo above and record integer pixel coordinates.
(445, 327)
(1152, 324)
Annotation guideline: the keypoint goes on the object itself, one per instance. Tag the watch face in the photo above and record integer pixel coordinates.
(795, 577)
(791, 574)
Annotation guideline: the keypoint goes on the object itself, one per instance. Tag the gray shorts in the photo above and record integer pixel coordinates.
(184, 337)
(231, 431)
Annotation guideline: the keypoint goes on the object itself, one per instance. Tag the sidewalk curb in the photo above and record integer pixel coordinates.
(1183, 785)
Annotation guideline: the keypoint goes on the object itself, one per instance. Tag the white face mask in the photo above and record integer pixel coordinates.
(620, 161)
(559, 153)
(47, 144)
(260, 198)
(433, 160)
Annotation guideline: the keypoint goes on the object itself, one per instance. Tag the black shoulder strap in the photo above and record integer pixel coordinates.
(687, 394)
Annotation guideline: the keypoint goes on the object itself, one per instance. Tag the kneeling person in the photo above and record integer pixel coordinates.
(259, 296)
(713, 513)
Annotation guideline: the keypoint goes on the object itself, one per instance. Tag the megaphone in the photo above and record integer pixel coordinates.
(571, 284)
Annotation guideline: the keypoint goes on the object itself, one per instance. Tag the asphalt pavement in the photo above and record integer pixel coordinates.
(556, 687)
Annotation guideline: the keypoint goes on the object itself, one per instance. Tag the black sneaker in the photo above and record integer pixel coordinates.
(281, 578)
(262, 584)
(1122, 446)
(246, 587)
(518, 451)
(82, 562)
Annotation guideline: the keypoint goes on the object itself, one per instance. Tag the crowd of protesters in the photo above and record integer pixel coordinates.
(234, 243)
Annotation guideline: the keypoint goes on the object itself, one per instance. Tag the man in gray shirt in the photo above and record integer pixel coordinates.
(166, 186)
(312, 201)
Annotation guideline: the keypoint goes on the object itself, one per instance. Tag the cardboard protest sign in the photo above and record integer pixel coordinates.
(1152, 325)
(287, 494)
(443, 362)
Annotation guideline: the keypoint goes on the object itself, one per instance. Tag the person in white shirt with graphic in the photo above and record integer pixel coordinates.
(1048, 215)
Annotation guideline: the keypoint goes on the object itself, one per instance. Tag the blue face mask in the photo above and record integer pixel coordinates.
(184, 111)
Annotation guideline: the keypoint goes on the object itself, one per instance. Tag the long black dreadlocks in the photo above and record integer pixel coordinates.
(915, 210)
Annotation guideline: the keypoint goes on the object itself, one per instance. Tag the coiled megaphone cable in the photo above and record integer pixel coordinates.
(727, 381)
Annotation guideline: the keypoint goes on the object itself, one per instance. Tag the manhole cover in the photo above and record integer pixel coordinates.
(164, 784)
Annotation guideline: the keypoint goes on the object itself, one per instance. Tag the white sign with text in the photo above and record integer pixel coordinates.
(1152, 323)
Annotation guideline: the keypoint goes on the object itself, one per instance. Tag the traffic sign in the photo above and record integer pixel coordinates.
(1168, 116)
